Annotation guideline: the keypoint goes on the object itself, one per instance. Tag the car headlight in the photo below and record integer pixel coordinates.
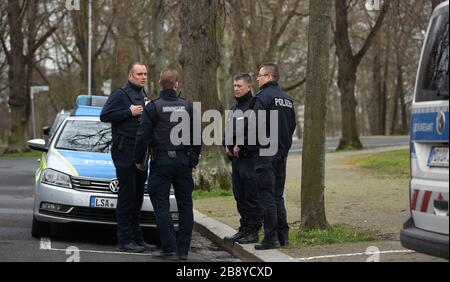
(56, 178)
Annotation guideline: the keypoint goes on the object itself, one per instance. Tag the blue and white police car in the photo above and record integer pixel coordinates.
(427, 231)
(76, 180)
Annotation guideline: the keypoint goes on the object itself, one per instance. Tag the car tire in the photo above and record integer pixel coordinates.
(39, 229)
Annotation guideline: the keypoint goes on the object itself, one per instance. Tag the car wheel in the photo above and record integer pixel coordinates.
(39, 229)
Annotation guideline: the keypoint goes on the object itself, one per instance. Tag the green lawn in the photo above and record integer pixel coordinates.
(199, 194)
(336, 234)
(393, 164)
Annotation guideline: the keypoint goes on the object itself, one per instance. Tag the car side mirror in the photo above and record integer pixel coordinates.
(46, 131)
(38, 145)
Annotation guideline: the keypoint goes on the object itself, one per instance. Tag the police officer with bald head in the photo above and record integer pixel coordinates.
(123, 110)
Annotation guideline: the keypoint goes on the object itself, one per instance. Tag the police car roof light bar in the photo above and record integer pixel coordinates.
(91, 101)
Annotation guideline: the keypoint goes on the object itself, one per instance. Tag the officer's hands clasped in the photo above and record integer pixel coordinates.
(137, 110)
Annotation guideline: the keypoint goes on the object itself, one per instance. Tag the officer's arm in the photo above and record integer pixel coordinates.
(115, 109)
(251, 125)
(145, 132)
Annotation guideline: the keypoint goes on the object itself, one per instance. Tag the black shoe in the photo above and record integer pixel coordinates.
(284, 244)
(148, 247)
(235, 237)
(164, 255)
(183, 257)
(283, 238)
(130, 248)
(249, 238)
(267, 245)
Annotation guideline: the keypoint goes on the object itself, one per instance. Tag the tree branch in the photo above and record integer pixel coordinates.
(295, 85)
(359, 56)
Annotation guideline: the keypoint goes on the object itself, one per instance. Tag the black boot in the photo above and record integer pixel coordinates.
(249, 238)
(267, 245)
(283, 238)
(130, 248)
(241, 233)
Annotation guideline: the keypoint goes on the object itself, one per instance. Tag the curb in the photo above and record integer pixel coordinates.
(216, 231)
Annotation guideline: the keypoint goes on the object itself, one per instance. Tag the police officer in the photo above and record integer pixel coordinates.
(124, 109)
(271, 170)
(243, 156)
(171, 165)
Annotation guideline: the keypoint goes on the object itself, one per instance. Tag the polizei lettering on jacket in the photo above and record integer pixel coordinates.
(284, 103)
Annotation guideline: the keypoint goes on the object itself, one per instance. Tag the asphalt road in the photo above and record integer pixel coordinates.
(75, 243)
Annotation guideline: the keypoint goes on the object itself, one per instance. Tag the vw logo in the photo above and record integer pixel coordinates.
(440, 123)
(114, 186)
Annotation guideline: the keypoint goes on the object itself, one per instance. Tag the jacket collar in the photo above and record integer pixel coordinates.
(168, 94)
(245, 98)
(135, 87)
(268, 84)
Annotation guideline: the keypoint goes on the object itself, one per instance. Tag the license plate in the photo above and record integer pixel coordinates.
(438, 157)
(103, 203)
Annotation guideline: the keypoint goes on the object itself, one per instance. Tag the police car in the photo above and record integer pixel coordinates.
(427, 230)
(76, 180)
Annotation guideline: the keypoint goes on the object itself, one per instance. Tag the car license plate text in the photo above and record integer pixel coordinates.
(439, 157)
(103, 203)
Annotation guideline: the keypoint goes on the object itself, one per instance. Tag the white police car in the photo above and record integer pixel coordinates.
(76, 180)
(427, 230)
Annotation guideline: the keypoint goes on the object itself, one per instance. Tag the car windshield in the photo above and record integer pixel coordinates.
(85, 136)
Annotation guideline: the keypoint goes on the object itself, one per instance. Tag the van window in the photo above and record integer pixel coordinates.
(434, 73)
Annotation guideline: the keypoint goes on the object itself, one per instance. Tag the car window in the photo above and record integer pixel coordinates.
(434, 80)
(56, 124)
(86, 136)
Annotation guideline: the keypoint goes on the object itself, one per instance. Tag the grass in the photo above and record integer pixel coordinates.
(21, 155)
(336, 234)
(394, 163)
(216, 193)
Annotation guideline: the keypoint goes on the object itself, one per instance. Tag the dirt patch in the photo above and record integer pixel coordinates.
(354, 196)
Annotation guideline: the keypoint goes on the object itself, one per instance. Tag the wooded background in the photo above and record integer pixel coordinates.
(42, 42)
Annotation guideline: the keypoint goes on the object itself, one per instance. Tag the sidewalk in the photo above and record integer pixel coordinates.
(375, 204)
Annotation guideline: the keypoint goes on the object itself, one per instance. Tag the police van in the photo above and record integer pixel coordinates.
(76, 180)
(427, 231)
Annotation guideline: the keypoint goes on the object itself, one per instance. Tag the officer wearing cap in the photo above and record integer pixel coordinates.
(243, 157)
(271, 170)
(123, 110)
(171, 164)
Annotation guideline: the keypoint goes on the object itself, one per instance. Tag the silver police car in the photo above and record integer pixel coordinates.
(76, 180)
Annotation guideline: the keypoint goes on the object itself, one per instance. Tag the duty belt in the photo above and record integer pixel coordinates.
(171, 154)
(120, 141)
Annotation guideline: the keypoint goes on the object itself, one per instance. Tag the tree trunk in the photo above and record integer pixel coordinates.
(158, 39)
(348, 66)
(350, 134)
(200, 59)
(122, 49)
(398, 93)
(313, 214)
(376, 119)
(18, 99)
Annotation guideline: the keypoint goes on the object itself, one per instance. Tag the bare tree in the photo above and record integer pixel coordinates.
(25, 21)
(158, 12)
(348, 66)
(313, 168)
(200, 60)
